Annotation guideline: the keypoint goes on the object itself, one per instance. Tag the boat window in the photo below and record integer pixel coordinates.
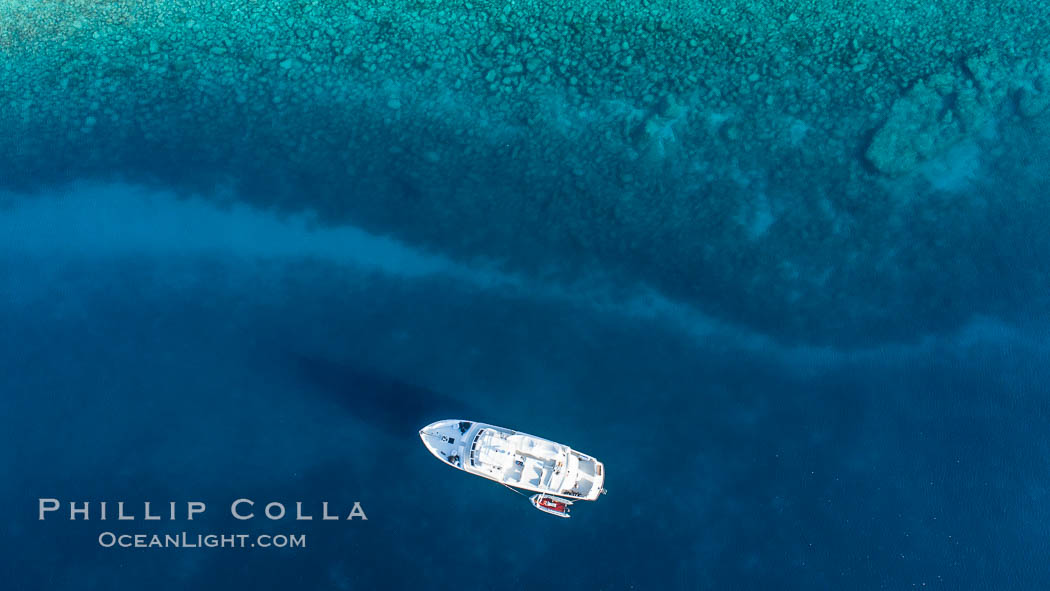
(473, 447)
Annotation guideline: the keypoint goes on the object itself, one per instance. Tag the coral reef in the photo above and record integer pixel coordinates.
(746, 158)
(950, 107)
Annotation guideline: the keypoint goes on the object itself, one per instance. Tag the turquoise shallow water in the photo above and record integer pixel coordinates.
(781, 266)
(821, 172)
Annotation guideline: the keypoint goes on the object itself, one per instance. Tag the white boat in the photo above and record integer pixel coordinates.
(516, 460)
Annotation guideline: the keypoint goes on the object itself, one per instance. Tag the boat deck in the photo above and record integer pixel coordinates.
(515, 459)
(519, 460)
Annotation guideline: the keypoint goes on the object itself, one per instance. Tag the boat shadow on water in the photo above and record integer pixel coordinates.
(385, 401)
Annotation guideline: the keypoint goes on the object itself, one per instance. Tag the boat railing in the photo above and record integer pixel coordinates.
(474, 447)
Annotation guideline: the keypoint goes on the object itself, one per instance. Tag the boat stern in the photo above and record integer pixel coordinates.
(590, 477)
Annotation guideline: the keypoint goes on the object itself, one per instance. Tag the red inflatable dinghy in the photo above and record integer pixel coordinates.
(551, 504)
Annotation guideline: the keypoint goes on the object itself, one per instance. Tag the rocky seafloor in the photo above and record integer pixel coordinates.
(823, 172)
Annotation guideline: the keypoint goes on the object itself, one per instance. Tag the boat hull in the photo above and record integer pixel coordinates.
(515, 459)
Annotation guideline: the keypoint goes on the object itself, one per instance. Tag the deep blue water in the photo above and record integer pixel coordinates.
(260, 358)
(781, 266)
